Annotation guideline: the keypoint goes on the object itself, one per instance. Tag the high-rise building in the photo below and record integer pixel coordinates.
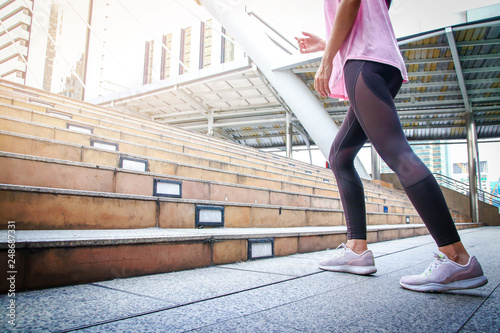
(50, 53)
(15, 34)
(461, 173)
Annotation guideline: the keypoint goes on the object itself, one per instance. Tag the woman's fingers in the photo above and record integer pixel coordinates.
(321, 82)
(319, 86)
(302, 44)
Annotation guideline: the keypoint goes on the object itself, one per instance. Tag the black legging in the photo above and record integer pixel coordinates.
(371, 87)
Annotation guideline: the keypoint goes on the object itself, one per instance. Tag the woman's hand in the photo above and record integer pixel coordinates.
(322, 78)
(310, 43)
(344, 20)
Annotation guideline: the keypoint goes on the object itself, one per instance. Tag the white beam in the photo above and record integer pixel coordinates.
(263, 52)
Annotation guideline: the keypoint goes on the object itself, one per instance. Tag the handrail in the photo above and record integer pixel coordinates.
(294, 45)
(463, 188)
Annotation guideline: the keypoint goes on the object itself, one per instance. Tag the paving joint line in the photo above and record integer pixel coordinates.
(176, 306)
(482, 303)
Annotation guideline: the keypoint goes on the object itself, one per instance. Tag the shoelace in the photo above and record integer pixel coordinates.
(342, 248)
(438, 261)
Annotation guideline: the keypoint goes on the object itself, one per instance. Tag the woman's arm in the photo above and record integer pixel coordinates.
(342, 24)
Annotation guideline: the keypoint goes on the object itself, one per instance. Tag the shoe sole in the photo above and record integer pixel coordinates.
(360, 270)
(439, 287)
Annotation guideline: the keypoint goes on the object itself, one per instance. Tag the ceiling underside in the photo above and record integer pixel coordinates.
(431, 105)
(244, 108)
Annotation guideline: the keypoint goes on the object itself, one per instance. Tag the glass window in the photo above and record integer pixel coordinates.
(227, 53)
(206, 44)
(185, 55)
(166, 57)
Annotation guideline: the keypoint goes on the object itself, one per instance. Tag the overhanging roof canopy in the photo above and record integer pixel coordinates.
(431, 105)
(242, 106)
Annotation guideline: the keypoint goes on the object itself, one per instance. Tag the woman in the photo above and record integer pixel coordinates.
(362, 63)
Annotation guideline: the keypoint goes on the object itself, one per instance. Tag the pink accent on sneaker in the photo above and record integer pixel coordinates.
(345, 260)
(444, 274)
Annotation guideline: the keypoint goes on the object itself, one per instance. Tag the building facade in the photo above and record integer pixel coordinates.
(15, 36)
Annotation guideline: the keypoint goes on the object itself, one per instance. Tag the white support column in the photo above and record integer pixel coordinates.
(375, 164)
(210, 129)
(471, 128)
(289, 133)
(473, 162)
(263, 52)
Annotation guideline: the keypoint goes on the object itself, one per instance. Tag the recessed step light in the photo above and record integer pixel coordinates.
(59, 114)
(209, 216)
(167, 188)
(34, 100)
(104, 145)
(134, 164)
(260, 248)
(79, 128)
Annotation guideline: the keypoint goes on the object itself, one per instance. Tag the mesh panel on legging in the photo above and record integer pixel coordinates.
(371, 88)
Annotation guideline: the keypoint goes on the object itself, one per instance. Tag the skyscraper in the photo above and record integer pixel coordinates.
(15, 35)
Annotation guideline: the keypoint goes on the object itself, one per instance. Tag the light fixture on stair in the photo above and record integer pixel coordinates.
(167, 188)
(59, 114)
(209, 216)
(134, 164)
(79, 128)
(104, 145)
(260, 248)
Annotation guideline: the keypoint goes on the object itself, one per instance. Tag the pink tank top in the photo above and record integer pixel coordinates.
(371, 38)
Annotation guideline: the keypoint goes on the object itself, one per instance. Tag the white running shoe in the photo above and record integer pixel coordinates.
(345, 260)
(444, 274)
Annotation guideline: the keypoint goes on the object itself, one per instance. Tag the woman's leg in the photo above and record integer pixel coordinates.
(345, 147)
(371, 87)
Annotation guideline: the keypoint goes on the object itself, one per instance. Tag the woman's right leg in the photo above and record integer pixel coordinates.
(348, 141)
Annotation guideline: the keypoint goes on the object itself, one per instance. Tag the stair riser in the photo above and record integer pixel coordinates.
(155, 143)
(41, 148)
(145, 147)
(53, 175)
(114, 122)
(42, 211)
(27, 146)
(45, 268)
(59, 266)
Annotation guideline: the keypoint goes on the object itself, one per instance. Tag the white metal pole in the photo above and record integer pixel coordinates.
(263, 52)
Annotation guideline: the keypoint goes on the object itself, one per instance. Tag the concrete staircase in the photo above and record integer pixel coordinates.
(96, 194)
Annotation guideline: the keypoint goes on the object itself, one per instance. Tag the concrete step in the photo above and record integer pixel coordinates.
(36, 171)
(119, 140)
(47, 148)
(41, 208)
(151, 151)
(53, 258)
(114, 129)
(147, 126)
(141, 151)
(30, 114)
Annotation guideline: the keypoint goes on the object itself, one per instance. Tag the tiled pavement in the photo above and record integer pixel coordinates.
(285, 294)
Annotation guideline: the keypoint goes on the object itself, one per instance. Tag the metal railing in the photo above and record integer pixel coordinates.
(463, 188)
